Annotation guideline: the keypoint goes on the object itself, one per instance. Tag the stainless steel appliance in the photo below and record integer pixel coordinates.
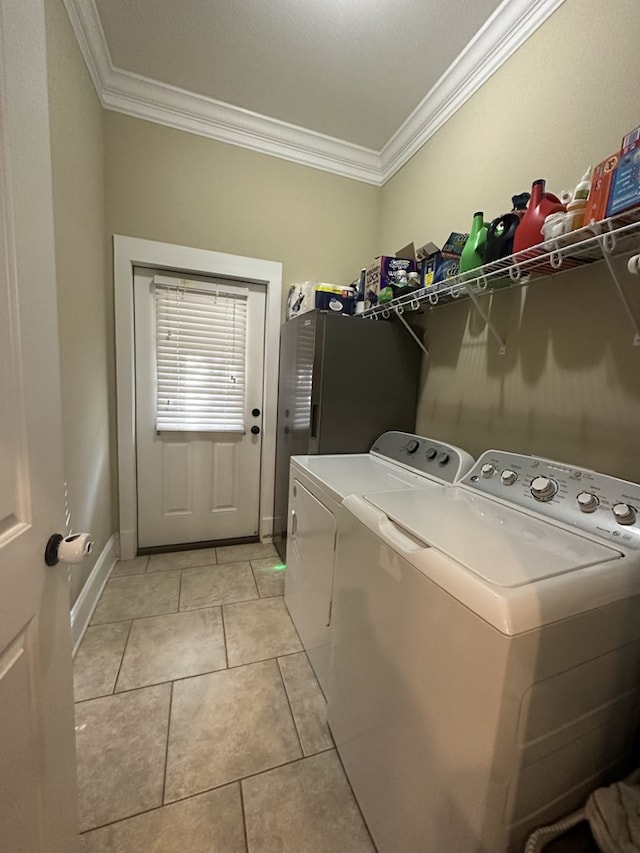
(343, 382)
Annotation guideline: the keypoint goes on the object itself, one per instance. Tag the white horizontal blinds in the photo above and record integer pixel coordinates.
(201, 346)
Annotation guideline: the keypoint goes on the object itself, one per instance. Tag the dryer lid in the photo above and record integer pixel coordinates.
(357, 473)
(505, 547)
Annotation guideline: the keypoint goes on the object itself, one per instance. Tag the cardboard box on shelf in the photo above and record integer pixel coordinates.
(440, 265)
(382, 273)
(596, 208)
(307, 295)
(625, 186)
(448, 264)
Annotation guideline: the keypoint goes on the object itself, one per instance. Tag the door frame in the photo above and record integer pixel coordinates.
(130, 252)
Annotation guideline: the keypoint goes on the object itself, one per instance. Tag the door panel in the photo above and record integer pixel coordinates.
(196, 486)
(224, 476)
(38, 800)
(176, 479)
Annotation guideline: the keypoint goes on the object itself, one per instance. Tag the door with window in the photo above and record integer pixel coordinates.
(199, 346)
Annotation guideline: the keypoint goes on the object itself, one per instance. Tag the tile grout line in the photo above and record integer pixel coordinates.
(239, 780)
(180, 591)
(255, 582)
(224, 638)
(166, 749)
(124, 649)
(244, 817)
(293, 717)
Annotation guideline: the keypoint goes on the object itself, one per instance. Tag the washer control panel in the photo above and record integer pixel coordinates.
(425, 455)
(596, 503)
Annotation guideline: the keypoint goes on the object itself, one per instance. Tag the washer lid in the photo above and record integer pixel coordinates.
(357, 473)
(503, 546)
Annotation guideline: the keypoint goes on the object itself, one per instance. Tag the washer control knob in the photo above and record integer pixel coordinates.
(624, 513)
(488, 470)
(508, 477)
(587, 502)
(543, 488)
(432, 453)
(443, 458)
(412, 446)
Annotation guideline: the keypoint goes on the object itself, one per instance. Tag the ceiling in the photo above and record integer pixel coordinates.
(351, 86)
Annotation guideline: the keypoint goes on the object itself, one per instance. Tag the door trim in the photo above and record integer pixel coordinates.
(130, 252)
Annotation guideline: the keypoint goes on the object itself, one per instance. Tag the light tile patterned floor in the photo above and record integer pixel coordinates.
(200, 724)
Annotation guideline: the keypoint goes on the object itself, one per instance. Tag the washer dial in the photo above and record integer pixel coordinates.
(624, 513)
(488, 470)
(543, 488)
(508, 477)
(587, 502)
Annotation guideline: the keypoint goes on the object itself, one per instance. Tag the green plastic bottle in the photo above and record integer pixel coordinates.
(473, 252)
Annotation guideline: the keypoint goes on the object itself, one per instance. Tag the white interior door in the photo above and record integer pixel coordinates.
(198, 485)
(38, 807)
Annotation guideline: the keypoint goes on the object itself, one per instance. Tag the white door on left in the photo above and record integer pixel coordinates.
(38, 798)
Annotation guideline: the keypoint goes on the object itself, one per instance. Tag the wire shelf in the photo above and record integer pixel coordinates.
(617, 235)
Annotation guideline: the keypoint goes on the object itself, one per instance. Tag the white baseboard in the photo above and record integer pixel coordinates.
(266, 528)
(82, 610)
(128, 544)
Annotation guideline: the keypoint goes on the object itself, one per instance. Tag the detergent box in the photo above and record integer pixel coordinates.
(383, 273)
(439, 266)
(448, 265)
(625, 187)
(596, 208)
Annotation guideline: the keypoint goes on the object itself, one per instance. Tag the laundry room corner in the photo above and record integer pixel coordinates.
(569, 342)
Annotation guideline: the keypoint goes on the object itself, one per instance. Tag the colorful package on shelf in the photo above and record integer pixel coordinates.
(307, 295)
(448, 264)
(596, 208)
(301, 298)
(439, 266)
(383, 273)
(625, 187)
(340, 300)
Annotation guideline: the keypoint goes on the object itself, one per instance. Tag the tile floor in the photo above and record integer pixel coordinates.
(200, 724)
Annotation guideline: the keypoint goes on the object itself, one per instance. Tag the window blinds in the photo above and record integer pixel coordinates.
(201, 343)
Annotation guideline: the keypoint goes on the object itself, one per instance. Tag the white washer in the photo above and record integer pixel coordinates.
(485, 652)
(317, 486)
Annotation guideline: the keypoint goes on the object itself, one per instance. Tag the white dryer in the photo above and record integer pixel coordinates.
(317, 486)
(485, 652)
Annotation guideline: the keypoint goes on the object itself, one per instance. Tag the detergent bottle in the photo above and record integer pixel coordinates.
(542, 204)
(502, 230)
(473, 253)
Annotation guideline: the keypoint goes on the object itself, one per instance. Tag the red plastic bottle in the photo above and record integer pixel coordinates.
(529, 232)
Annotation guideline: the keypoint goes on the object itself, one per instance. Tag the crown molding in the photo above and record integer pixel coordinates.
(513, 22)
(125, 92)
(140, 97)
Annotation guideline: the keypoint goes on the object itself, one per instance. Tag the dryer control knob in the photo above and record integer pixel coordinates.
(443, 457)
(587, 502)
(508, 477)
(624, 513)
(488, 470)
(412, 446)
(543, 488)
(432, 453)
